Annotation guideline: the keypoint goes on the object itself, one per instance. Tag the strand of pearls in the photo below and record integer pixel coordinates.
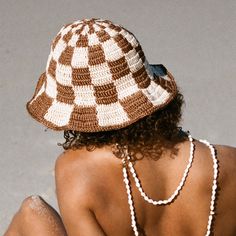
(214, 185)
(213, 195)
(130, 201)
(180, 186)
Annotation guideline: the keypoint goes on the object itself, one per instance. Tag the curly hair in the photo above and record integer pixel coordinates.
(147, 137)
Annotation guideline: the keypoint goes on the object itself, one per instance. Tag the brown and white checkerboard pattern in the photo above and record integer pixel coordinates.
(97, 78)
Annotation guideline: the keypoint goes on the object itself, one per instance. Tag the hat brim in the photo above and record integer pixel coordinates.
(58, 116)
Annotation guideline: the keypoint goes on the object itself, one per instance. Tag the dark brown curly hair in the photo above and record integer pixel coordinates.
(148, 137)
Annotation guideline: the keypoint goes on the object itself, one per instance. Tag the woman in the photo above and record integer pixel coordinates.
(127, 169)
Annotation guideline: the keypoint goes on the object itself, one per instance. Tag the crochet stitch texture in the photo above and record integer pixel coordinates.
(97, 78)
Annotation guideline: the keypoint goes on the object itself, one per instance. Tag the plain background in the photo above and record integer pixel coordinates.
(195, 40)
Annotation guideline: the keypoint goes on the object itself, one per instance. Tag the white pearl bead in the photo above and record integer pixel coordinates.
(208, 227)
(151, 201)
(146, 198)
(132, 170)
(165, 201)
(178, 189)
(142, 194)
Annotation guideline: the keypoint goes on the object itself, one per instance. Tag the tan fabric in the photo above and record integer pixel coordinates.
(97, 78)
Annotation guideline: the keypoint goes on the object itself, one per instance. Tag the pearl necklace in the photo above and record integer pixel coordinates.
(176, 192)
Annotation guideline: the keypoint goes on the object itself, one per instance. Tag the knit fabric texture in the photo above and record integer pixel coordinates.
(97, 78)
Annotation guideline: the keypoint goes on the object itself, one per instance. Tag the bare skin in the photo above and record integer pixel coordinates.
(93, 201)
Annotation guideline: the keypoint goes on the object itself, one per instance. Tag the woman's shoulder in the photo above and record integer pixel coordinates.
(226, 158)
(85, 157)
(227, 152)
(87, 166)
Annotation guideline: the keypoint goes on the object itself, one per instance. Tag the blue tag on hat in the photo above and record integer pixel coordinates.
(158, 70)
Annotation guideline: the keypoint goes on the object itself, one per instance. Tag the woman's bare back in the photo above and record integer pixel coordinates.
(96, 179)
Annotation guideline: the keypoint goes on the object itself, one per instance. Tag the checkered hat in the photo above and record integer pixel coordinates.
(97, 78)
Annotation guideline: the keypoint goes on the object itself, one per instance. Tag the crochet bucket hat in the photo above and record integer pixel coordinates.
(97, 78)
